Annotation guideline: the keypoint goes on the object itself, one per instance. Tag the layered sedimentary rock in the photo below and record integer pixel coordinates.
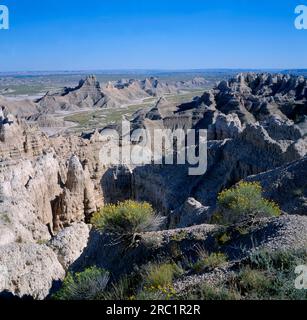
(28, 175)
(87, 94)
(42, 188)
(91, 94)
(77, 200)
(254, 122)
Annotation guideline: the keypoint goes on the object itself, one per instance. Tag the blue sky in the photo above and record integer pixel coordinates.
(157, 34)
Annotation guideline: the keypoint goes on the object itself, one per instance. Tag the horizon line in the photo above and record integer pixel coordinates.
(146, 70)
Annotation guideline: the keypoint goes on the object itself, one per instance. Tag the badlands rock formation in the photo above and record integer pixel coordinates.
(22, 108)
(87, 94)
(77, 199)
(50, 110)
(91, 94)
(44, 188)
(255, 123)
(50, 187)
(197, 82)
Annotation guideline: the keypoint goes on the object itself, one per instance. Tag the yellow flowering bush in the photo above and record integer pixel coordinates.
(126, 218)
(157, 293)
(242, 202)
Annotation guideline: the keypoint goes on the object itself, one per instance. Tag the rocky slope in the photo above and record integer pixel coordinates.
(22, 108)
(286, 232)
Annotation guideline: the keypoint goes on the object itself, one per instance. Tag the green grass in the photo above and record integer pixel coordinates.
(119, 291)
(208, 292)
(87, 285)
(115, 115)
(30, 90)
(270, 275)
(207, 261)
(264, 275)
(254, 280)
(161, 275)
(81, 118)
(100, 118)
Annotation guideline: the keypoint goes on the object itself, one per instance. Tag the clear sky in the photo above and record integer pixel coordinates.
(153, 34)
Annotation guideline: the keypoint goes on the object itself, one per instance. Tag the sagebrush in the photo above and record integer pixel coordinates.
(243, 203)
(127, 218)
(86, 285)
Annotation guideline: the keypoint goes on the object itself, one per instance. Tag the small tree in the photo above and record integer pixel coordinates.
(243, 203)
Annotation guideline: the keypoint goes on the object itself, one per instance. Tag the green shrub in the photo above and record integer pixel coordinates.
(207, 292)
(223, 238)
(270, 275)
(86, 285)
(209, 261)
(279, 260)
(252, 279)
(161, 274)
(118, 291)
(243, 202)
(179, 236)
(126, 218)
(149, 295)
(264, 274)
